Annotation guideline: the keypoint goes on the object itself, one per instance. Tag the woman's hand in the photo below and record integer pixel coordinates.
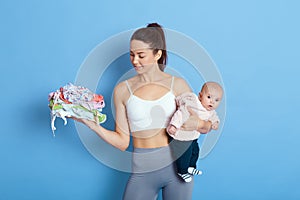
(194, 123)
(88, 123)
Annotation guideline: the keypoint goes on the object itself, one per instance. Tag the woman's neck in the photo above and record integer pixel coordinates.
(152, 76)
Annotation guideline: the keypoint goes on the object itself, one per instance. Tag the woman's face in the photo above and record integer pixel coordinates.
(142, 57)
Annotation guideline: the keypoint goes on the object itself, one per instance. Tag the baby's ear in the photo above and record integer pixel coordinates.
(200, 95)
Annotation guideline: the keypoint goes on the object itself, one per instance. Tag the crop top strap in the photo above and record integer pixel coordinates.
(128, 87)
(172, 83)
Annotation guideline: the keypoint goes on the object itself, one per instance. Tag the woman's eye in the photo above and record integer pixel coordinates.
(208, 97)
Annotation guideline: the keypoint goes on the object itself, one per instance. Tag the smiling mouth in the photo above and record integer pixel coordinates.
(137, 67)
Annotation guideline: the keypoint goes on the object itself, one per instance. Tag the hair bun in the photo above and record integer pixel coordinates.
(154, 25)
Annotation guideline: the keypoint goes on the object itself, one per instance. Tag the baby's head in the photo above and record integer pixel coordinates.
(211, 95)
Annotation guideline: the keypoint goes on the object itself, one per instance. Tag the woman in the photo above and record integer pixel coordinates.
(144, 105)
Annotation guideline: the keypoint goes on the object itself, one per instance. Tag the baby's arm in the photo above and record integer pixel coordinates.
(215, 121)
(175, 122)
(171, 129)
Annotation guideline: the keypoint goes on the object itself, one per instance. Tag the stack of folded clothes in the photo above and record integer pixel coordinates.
(75, 101)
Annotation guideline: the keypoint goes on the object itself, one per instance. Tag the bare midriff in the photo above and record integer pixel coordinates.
(150, 138)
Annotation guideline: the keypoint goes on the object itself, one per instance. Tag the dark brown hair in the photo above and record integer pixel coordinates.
(153, 35)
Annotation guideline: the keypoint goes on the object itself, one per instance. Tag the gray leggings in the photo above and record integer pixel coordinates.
(154, 170)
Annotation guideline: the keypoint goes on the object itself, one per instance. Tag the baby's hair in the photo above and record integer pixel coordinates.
(212, 84)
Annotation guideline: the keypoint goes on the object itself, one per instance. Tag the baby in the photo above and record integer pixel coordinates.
(204, 106)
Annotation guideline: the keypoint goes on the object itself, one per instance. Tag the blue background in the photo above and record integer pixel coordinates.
(255, 45)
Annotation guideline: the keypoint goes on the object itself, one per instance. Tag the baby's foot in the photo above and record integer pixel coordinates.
(193, 171)
(186, 177)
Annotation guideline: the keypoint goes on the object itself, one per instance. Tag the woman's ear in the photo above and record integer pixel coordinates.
(158, 55)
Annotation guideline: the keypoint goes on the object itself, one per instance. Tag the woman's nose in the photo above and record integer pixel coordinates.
(135, 60)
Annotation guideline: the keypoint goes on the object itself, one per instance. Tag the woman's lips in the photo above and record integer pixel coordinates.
(137, 67)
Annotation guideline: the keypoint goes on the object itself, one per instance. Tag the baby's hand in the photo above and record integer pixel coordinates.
(215, 126)
(171, 129)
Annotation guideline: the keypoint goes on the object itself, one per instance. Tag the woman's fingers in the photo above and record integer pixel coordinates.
(191, 123)
(191, 111)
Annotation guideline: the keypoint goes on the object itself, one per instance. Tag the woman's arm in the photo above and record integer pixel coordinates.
(120, 137)
(194, 122)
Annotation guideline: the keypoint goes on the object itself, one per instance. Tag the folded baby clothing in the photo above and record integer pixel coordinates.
(75, 101)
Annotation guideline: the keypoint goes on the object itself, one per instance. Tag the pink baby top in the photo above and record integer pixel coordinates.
(190, 100)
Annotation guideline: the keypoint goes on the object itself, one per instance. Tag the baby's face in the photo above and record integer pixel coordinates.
(210, 98)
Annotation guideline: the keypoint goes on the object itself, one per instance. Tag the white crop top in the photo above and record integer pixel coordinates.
(150, 114)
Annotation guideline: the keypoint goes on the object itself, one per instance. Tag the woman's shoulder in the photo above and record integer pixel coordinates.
(180, 86)
(179, 80)
(121, 91)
